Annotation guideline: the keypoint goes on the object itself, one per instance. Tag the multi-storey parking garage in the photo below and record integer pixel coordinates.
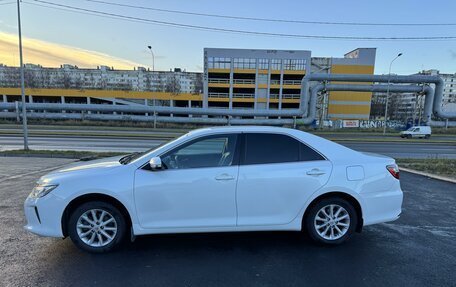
(271, 79)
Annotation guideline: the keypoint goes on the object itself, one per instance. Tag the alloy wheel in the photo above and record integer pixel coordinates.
(332, 222)
(96, 227)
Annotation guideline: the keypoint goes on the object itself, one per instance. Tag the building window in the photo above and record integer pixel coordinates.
(276, 64)
(244, 63)
(263, 64)
(218, 63)
(294, 64)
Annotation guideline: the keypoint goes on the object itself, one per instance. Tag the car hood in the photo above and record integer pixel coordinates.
(82, 167)
(93, 164)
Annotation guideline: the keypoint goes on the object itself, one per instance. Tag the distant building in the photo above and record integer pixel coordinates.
(407, 106)
(449, 89)
(271, 79)
(401, 106)
(72, 84)
(103, 77)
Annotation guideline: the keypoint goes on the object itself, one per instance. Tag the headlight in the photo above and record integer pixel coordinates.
(42, 189)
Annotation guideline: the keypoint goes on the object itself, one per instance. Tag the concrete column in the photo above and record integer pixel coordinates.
(114, 103)
(256, 85)
(190, 105)
(62, 100)
(5, 99)
(88, 102)
(171, 104)
(30, 97)
(230, 103)
(281, 84)
(146, 104)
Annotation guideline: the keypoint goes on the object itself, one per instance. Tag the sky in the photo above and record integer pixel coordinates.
(54, 36)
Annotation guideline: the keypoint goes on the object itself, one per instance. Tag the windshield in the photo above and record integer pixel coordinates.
(136, 155)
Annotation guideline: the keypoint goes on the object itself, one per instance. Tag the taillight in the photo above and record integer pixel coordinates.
(394, 170)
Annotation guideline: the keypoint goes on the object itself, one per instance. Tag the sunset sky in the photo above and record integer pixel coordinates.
(53, 55)
(56, 36)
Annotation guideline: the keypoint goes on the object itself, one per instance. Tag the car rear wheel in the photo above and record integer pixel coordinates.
(331, 221)
(96, 227)
(427, 136)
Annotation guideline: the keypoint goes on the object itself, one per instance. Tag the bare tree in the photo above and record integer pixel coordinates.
(198, 86)
(64, 81)
(30, 78)
(173, 85)
(148, 82)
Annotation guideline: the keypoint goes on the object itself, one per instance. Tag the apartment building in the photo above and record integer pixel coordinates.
(103, 77)
(71, 84)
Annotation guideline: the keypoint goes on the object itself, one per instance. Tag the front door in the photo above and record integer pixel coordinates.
(195, 189)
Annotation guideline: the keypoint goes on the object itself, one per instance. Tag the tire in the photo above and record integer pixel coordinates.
(427, 136)
(110, 221)
(311, 221)
(409, 136)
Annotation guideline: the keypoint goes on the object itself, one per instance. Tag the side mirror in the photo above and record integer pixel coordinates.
(155, 163)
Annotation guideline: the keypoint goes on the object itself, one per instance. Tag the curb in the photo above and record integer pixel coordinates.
(430, 175)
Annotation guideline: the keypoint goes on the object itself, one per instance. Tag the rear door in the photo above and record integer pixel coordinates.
(277, 176)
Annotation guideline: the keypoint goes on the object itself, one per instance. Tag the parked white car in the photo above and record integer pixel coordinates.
(218, 180)
(417, 132)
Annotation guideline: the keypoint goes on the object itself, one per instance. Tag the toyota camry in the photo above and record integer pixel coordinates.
(221, 179)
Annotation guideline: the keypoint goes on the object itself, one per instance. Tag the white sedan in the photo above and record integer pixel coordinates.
(218, 180)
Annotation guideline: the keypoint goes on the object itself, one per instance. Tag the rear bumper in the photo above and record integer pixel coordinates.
(382, 206)
(43, 215)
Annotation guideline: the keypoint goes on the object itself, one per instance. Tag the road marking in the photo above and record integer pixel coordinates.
(32, 173)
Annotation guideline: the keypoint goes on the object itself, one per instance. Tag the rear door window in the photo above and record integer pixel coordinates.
(262, 148)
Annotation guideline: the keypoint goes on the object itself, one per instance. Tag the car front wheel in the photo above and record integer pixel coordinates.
(96, 227)
(331, 221)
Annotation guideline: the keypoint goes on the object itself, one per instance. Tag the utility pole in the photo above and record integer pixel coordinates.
(24, 110)
(387, 92)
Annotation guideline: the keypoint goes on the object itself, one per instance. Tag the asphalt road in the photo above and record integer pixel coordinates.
(416, 250)
(398, 149)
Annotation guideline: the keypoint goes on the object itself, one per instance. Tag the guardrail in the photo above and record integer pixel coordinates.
(291, 96)
(219, 81)
(243, 81)
(292, 82)
(243, 96)
(218, 95)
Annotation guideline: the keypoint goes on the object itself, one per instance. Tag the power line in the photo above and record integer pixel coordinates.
(268, 19)
(257, 33)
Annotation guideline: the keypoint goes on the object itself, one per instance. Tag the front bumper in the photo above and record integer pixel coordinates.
(44, 215)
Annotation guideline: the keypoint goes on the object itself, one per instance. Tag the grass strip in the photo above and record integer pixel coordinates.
(438, 166)
(81, 155)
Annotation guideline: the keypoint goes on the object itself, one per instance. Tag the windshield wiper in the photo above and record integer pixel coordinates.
(126, 159)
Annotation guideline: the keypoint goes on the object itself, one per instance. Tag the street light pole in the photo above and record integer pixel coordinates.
(387, 92)
(24, 110)
(153, 58)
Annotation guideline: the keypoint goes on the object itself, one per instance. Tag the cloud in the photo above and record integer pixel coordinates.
(53, 55)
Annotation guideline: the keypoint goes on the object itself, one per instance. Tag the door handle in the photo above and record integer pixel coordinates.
(224, 176)
(315, 172)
